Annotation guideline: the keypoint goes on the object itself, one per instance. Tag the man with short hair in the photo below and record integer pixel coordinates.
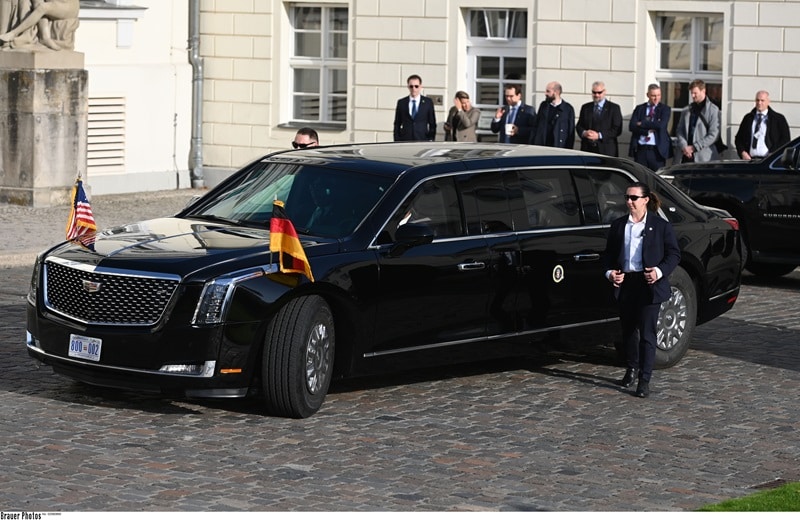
(762, 130)
(515, 120)
(414, 116)
(650, 142)
(698, 128)
(305, 138)
(555, 120)
(600, 123)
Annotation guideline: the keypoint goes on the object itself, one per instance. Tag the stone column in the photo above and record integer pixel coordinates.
(43, 126)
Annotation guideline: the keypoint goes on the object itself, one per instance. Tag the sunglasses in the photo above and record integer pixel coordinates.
(297, 145)
(634, 198)
(414, 86)
(598, 92)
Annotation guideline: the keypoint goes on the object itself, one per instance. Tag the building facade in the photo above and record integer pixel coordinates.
(272, 66)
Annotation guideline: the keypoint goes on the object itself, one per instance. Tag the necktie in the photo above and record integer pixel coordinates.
(413, 108)
(650, 112)
(759, 117)
(598, 110)
(512, 116)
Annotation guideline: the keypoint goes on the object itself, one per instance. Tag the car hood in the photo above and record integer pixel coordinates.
(180, 246)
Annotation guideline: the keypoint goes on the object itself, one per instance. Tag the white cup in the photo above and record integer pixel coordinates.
(509, 129)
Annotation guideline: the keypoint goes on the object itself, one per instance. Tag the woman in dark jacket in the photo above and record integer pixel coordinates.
(641, 253)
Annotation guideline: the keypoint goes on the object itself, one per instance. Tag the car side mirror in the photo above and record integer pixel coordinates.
(411, 235)
(790, 158)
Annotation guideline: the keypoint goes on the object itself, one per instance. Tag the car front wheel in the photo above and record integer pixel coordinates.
(297, 361)
(676, 320)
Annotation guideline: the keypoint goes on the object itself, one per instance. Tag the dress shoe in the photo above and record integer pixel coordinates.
(630, 377)
(643, 389)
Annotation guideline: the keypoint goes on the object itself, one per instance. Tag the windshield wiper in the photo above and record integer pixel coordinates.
(217, 218)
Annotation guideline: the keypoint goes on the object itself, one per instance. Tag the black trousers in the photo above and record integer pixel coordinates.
(649, 156)
(639, 319)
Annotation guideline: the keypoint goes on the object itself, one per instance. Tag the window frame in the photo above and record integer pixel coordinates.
(503, 48)
(325, 64)
(675, 82)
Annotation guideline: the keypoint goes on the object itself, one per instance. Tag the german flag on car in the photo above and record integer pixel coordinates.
(283, 240)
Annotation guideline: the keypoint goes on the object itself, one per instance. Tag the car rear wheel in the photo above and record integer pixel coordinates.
(297, 361)
(770, 270)
(676, 320)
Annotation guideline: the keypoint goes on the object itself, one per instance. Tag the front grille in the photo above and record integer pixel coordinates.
(100, 298)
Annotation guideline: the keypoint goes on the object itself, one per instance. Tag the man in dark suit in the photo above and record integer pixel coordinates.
(555, 120)
(641, 253)
(414, 117)
(514, 121)
(600, 123)
(650, 141)
(762, 130)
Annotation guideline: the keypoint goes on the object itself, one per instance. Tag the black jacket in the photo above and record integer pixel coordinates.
(420, 128)
(555, 126)
(659, 249)
(525, 121)
(609, 124)
(640, 125)
(778, 132)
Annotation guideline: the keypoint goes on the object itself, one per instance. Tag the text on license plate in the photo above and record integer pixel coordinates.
(84, 347)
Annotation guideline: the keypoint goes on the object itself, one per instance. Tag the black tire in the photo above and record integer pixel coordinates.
(770, 270)
(676, 320)
(297, 362)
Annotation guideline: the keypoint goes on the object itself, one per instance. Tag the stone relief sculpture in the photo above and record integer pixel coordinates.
(30, 23)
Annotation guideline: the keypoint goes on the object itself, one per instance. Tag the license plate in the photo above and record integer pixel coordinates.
(85, 348)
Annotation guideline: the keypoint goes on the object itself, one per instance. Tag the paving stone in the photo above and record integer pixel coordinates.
(549, 433)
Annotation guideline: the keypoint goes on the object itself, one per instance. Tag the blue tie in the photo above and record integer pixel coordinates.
(512, 116)
(413, 109)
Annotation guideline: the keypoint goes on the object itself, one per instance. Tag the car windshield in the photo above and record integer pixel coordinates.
(319, 201)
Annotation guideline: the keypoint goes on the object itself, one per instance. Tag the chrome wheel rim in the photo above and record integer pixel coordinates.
(672, 318)
(318, 359)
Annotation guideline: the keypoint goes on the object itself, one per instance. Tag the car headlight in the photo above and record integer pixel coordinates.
(217, 294)
(33, 288)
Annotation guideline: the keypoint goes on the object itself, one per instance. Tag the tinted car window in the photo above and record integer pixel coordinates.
(609, 189)
(486, 204)
(319, 201)
(434, 202)
(549, 199)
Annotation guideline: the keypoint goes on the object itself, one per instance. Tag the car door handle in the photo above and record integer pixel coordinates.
(472, 266)
(586, 258)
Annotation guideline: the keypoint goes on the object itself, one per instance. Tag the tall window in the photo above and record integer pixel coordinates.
(690, 47)
(496, 48)
(319, 64)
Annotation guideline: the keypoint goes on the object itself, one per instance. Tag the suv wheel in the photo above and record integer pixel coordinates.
(676, 320)
(297, 361)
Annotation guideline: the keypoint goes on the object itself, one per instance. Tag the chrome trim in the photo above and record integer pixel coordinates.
(231, 281)
(110, 270)
(105, 271)
(483, 338)
(78, 362)
(632, 178)
(724, 295)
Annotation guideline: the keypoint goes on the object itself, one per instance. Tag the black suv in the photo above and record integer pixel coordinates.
(763, 195)
(421, 253)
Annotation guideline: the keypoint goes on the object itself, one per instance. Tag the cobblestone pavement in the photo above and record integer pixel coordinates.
(547, 433)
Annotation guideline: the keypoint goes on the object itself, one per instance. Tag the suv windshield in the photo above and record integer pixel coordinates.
(319, 201)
